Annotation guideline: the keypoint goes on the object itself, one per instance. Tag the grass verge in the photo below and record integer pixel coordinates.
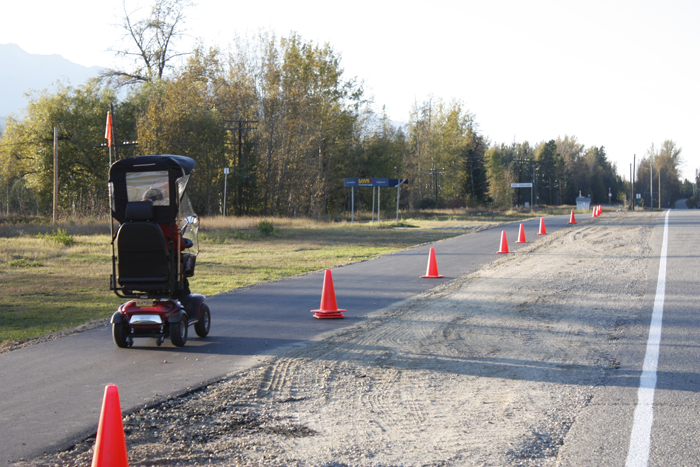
(53, 279)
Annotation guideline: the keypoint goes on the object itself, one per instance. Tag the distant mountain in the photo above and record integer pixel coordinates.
(21, 71)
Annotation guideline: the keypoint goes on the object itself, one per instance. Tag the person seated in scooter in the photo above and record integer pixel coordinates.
(155, 196)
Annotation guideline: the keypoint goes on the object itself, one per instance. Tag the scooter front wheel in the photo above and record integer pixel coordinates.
(178, 331)
(202, 326)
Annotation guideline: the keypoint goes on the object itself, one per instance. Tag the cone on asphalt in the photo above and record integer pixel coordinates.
(521, 235)
(328, 307)
(600, 210)
(432, 269)
(573, 218)
(543, 229)
(504, 243)
(110, 443)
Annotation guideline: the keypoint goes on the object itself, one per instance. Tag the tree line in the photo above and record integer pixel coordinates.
(280, 113)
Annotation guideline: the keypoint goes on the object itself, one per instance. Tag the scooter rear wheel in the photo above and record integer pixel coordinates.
(120, 331)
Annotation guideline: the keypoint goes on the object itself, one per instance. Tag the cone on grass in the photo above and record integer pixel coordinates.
(110, 443)
(573, 218)
(521, 235)
(431, 271)
(543, 229)
(504, 243)
(328, 307)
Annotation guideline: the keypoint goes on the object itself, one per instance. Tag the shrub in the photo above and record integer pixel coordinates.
(59, 236)
(427, 203)
(25, 263)
(265, 227)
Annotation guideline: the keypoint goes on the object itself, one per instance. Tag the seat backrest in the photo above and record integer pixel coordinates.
(139, 211)
(142, 252)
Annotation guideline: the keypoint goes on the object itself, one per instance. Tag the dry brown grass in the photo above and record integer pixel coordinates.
(251, 222)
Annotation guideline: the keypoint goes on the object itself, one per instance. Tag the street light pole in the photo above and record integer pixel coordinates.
(225, 177)
(55, 175)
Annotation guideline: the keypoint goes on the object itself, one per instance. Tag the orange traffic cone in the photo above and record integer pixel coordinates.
(573, 218)
(521, 235)
(432, 270)
(600, 210)
(329, 307)
(595, 211)
(504, 243)
(543, 229)
(110, 444)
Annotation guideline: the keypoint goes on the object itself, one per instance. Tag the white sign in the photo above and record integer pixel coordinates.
(639, 196)
(226, 171)
(521, 185)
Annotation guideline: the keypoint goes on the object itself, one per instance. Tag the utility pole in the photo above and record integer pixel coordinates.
(651, 184)
(225, 178)
(55, 174)
(634, 168)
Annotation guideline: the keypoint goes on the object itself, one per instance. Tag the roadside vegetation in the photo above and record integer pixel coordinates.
(282, 115)
(57, 277)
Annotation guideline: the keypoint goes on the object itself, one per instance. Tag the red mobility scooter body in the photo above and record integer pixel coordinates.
(154, 251)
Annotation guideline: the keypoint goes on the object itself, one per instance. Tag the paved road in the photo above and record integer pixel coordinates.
(50, 394)
(680, 204)
(601, 434)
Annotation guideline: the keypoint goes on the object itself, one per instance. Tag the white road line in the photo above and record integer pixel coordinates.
(640, 441)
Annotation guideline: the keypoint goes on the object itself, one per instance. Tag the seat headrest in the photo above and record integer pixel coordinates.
(139, 211)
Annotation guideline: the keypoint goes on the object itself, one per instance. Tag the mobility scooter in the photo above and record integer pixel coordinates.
(150, 267)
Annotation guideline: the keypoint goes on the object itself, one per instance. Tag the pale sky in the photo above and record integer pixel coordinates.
(618, 74)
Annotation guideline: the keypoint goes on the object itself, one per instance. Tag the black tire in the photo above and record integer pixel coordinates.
(120, 331)
(178, 331)
(202, 326)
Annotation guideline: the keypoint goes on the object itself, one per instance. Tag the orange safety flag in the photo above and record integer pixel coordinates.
(108, 130)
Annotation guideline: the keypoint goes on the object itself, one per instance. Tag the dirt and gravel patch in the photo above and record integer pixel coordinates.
(488, 369)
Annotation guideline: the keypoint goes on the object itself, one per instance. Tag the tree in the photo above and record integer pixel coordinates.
(475, 177)
(501, 173)
(574, 173)
(153, 42)
(180, 119)
(443, 146)
(666, 163)
(551, 168)
(26, 151)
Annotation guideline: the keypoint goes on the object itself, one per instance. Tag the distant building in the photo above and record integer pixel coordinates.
(583, 203)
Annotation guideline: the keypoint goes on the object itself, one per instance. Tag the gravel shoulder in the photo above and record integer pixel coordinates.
(488, 369)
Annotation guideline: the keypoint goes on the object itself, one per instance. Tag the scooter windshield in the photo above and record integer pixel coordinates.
(141, 186)
(189, 223)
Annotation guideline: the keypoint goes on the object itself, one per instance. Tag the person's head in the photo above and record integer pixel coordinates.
(153, 195)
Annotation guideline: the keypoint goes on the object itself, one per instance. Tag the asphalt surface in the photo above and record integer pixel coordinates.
(601, 434)
(51, 393)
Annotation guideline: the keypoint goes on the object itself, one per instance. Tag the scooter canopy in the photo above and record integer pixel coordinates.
(159, 178)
